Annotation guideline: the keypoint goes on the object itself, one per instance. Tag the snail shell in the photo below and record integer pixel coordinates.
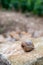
(27, 45)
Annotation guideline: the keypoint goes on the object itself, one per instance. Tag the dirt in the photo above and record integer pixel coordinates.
(17, 21)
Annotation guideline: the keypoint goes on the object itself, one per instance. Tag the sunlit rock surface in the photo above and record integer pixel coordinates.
(16, 55)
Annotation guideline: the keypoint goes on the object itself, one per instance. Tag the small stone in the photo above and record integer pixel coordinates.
(27, 45)
(26, 34)
(14, 35)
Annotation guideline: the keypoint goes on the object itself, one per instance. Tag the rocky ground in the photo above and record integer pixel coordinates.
(17, 21)
(16, 28)
(10, 48)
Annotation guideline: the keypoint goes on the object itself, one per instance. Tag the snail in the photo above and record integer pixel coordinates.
(27, 45)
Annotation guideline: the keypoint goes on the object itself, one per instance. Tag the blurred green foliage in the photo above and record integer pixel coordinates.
(23, 5)
(14, 4)
(38, 8)
(5, 3)
(35, 6)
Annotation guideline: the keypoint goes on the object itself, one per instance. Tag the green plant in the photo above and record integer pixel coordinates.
(16, 5)
(38, 8)
(5, 3)
(23, 5)
(0, 1)
(30, 5)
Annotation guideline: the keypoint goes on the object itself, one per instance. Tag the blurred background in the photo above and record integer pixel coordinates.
(35, 6)
(23, 15)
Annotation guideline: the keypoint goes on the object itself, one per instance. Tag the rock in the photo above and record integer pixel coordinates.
(39, 61)
(27, 45)
(3, 60)
(2, 39)
(14, 35)
(37, 34)
(26, 34)
(17, 56)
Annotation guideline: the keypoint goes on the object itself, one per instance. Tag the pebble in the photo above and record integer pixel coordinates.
(14, 35)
